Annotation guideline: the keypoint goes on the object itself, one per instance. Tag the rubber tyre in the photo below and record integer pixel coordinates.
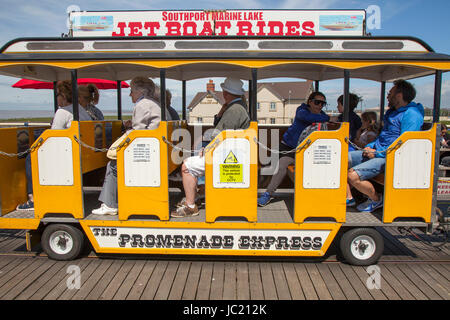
(367, 236)
(71, 246)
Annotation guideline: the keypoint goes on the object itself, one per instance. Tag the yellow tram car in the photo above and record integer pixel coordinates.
(231, 222)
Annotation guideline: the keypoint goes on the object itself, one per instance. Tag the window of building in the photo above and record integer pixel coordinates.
(272, 120)
(200, 120)
(273, 106)
(257, 106)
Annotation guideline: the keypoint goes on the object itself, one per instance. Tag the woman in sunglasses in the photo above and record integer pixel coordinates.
(305, 115)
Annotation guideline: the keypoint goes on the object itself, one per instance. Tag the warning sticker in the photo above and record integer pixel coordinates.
(231, 170)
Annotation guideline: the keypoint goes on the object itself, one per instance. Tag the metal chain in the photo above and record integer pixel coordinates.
(298, 149)
(205, 149)
(21, 154)
(101, 149)
(376, 151)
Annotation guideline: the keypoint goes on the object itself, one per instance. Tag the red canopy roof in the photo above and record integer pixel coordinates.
(100, 83)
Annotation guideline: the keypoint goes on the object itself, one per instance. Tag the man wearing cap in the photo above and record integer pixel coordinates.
(232, 116)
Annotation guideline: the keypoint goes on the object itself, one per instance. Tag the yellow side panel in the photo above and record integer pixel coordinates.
(59, 199)
(314, 203)
(144, 200)
(408, 203)
(93, 133)
(232, 202)
(13, 190)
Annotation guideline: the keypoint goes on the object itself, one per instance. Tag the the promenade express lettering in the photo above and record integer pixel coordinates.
(219, 242)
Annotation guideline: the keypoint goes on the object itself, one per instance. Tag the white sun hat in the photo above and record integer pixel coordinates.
(233, 86)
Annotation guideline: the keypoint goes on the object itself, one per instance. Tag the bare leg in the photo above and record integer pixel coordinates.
(364, 187)
(189, 184)
(349, 192)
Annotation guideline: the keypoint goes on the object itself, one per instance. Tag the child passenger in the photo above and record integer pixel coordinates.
(369, 129)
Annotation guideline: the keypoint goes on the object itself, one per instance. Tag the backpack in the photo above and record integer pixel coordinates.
(317, 126)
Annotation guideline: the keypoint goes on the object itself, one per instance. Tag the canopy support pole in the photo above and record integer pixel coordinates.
(437, 96)
(76, 113)
(382, 99)
(162, 87)
(253, 91)
(119, 99)
(316, 85)
(183, 92)
(346, 95)
(55, 96)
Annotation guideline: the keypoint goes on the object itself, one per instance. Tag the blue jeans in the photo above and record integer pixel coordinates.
(365, 168)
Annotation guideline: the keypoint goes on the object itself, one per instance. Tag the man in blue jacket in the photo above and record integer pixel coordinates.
(403, 115)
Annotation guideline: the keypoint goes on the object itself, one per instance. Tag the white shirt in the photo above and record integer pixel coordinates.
(64, 116)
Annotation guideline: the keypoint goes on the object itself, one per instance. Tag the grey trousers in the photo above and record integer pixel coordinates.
(280, 173)
(109, 191)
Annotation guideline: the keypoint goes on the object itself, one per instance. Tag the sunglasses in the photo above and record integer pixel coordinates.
(321, 102)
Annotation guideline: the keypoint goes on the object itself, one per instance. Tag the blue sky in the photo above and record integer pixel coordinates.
(427, 20)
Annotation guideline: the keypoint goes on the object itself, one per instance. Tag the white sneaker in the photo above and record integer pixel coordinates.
(104, 209)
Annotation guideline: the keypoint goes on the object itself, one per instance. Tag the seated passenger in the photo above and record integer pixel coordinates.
(170, 112)
(369, 129)
(444, 136)
(88, 97)
(403, 115)
(354, 119)
(173, 113)
(146, 115)
(234, 117)
(64, 115)
(305, 115)
(62, 120)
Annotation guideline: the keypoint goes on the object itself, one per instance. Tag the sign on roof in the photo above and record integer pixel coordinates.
(219, 23)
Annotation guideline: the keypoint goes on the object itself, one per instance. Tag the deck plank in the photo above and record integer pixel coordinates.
(423, 286)
(104, 281)
(353, 278)
(129, 280)
(58, 284)
(217, 282)
(167, 281)
(255, 283)
(27, 277)
(295, 288)
(93, 279)
(14, 276)
(434, 284)
(54, 270)
(343, 282)
(193, 277)
(242, 281)
(204, 285)
(319, 284)
(116, 280)
(84, 276)
(152, 285)
(406, 282)
(305, 282)
(330, 282)
(395, 284)
(229, 286)
(269, 289)
(179, 283)
(281, 285)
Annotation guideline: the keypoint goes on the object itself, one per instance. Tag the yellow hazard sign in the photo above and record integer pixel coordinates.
(231, 158)
(231, 170)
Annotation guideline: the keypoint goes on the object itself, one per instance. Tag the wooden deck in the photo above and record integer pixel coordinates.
(409, 270)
